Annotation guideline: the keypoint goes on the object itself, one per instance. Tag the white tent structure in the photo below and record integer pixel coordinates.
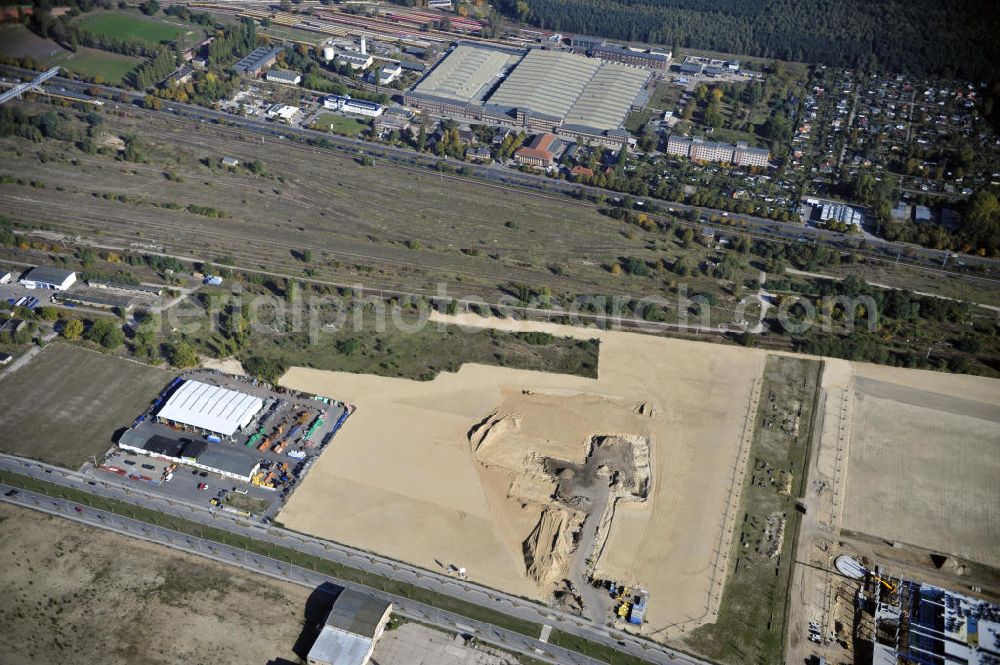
(210, 408)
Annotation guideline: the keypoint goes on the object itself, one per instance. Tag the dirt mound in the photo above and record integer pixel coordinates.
(548, 548)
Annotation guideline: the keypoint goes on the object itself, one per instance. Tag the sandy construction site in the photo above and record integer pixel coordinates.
(502, 471)
(923, 460)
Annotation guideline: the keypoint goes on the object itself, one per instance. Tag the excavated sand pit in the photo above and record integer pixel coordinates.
(494, 470)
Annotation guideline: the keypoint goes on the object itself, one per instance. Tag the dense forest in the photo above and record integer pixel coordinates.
(920, 37)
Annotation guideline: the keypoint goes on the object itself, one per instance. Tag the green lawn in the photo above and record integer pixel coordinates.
(92, 63)
(127, 25)
(340, 124)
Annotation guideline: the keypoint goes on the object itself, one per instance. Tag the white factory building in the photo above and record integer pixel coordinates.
(389, 73)
(210, 409)
(284, 112)
(348, 637)
(840, 212)
(359, 59)
(347, 104)
(44, 277)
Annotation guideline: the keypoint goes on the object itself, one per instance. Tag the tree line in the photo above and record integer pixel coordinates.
(922, 37)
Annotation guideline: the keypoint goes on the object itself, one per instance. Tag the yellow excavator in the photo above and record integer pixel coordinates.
(887, 584)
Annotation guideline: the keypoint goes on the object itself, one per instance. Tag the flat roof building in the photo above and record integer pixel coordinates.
(347, 104)
(208, 408)
(99, 300)
(634, 57)
(348, 637)
(234, 463)
(740, 154)
(44, 277)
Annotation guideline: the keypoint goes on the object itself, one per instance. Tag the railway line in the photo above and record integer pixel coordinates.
(889, 254)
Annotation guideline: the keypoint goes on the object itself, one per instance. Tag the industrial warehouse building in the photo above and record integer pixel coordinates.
(258, 60)
(48, 278)
(539, 90)
(209, 409)
(348, 637)
(232, 463)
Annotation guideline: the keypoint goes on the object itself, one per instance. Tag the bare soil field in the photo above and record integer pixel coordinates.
(457, 464)
(77, 594)
(924, 462)
(68, 402)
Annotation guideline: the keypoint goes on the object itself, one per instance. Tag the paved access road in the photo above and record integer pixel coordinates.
(757, 227)
(278, 569)
(354, 558)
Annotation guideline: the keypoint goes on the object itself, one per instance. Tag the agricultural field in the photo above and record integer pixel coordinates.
(16, 41)
(19, 42)
(129, 25)
(105, 598)
(68, 402)
(339, 124)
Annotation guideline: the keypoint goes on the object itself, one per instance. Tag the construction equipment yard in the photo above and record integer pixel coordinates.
(903, 472)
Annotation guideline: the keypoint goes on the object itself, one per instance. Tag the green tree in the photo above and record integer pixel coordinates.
(105, 332)
(73, 329)
(183, 355)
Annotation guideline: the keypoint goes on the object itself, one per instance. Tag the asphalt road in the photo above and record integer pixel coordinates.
(359, 559)
(928, 259)
(263, 565)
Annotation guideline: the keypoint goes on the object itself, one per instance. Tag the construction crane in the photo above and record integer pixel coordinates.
(21, 88)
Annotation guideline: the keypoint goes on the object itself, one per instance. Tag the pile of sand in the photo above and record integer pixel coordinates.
(511, 447)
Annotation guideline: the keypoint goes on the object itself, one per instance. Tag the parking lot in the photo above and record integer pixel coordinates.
(284, 438)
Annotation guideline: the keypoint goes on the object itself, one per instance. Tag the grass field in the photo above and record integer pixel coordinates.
(129, 26)
(16, 41)
(422, 354)
(340, 124)
(66, 404)
(751, 622)
(93, 63)
(104, 598)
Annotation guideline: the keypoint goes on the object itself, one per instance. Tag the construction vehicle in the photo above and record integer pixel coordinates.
(887, 584)
(265, 444)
